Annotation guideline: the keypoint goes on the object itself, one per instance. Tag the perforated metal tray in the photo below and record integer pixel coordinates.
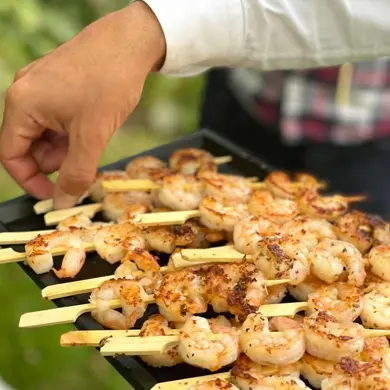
(18, 215)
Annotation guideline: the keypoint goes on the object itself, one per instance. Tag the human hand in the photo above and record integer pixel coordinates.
(62, 109)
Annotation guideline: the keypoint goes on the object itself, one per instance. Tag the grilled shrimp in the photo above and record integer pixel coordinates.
(342, 301)
(213, 384)
(237, 288)
(40, 259)
(166, 238)
(250, 230)
(96, 192)
(131, 211)
(325, 338)
(315, 370)
(301, 291)
(147, 167)
(283, 257)
(132, 296)
(112, 242)
(264, 347)
(116, 204)
(219, 214)
(377, 349)
(275, 294)
(277, 210)
(192, 161)
(181, 294)
(376, 310)
(314, 205)
(379, 261)
(281, 185)
(77, 221)
(201, 346)
(334, 260)
(309, 230)
(229, 187)
(179, 192)
(248, 375)
(362, 230)
(157, 325)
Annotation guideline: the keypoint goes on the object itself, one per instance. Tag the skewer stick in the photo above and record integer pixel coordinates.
(54, 217)
(143, 345)
(344, 82)
(165, 218)
(184, 384)
(44, 206)
(226, 253)
(10, 238)
(95, 338)
(223, 160)
(62, 315)
(8, 255)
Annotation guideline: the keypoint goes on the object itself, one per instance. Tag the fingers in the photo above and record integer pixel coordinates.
(78, 171)
(18, 133)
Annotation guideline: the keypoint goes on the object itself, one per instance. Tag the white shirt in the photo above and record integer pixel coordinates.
(271, 34)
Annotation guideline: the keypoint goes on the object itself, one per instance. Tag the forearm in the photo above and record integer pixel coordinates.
(271, 34)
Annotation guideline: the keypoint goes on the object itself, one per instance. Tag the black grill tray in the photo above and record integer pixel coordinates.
(18, 215)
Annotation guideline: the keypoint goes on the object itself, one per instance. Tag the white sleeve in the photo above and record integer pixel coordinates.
(271, 34)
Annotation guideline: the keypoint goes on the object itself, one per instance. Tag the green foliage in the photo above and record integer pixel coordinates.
(32, 359)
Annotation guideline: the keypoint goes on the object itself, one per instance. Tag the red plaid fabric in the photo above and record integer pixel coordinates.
(302, 103)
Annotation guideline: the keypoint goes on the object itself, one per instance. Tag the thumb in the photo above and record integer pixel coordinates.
(79, 167)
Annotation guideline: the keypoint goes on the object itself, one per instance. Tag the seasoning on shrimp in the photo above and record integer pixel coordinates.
(277, 210)
(192, 161)
(379, 261)
(206, 345)
(147, 167)
(284, 347)
(376, 310)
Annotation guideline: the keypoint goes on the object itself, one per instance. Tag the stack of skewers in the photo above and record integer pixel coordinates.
(239, 246)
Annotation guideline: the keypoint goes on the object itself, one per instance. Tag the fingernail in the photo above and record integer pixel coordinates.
(64, 201)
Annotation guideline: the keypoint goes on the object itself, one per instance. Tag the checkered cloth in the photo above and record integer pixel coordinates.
(302, 103)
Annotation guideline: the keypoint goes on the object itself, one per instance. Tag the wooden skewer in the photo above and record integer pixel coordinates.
(10, 238)
(8, 255)
(62, 315)
(54, 217)
(344, 83)
(95, 338)
(165, 218)
(227, 253)
(183, 384)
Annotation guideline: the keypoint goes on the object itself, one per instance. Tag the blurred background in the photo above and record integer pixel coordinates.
(32, 359)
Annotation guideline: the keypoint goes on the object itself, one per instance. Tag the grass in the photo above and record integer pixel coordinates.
(31, 359)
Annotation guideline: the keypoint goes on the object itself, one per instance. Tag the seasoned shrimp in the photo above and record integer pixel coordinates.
(237, 288)
(315, 370)
(131, 211)
(248, 375)
(166, 238)
(157, 325)
(76, 221)
(280, 184)
(377, 349)
(334, 260)
(200, 346)
(362, 230)
(376, 311)
(40, 259)
(96, 191)
(181, 294)
(341, 300)
(283, 257)
(301, 291)
(113, 242)
(132, 296)
(192, 161)
(221, 214)
(250, 230)
(179, 192)
(115, 204)
(379, 261)
(315, 205)
(213, 384)
(147, 167)
(265, 347)
(276, 294)
(309, 230)
(327, 339)
(277, 210)
(229, 187)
